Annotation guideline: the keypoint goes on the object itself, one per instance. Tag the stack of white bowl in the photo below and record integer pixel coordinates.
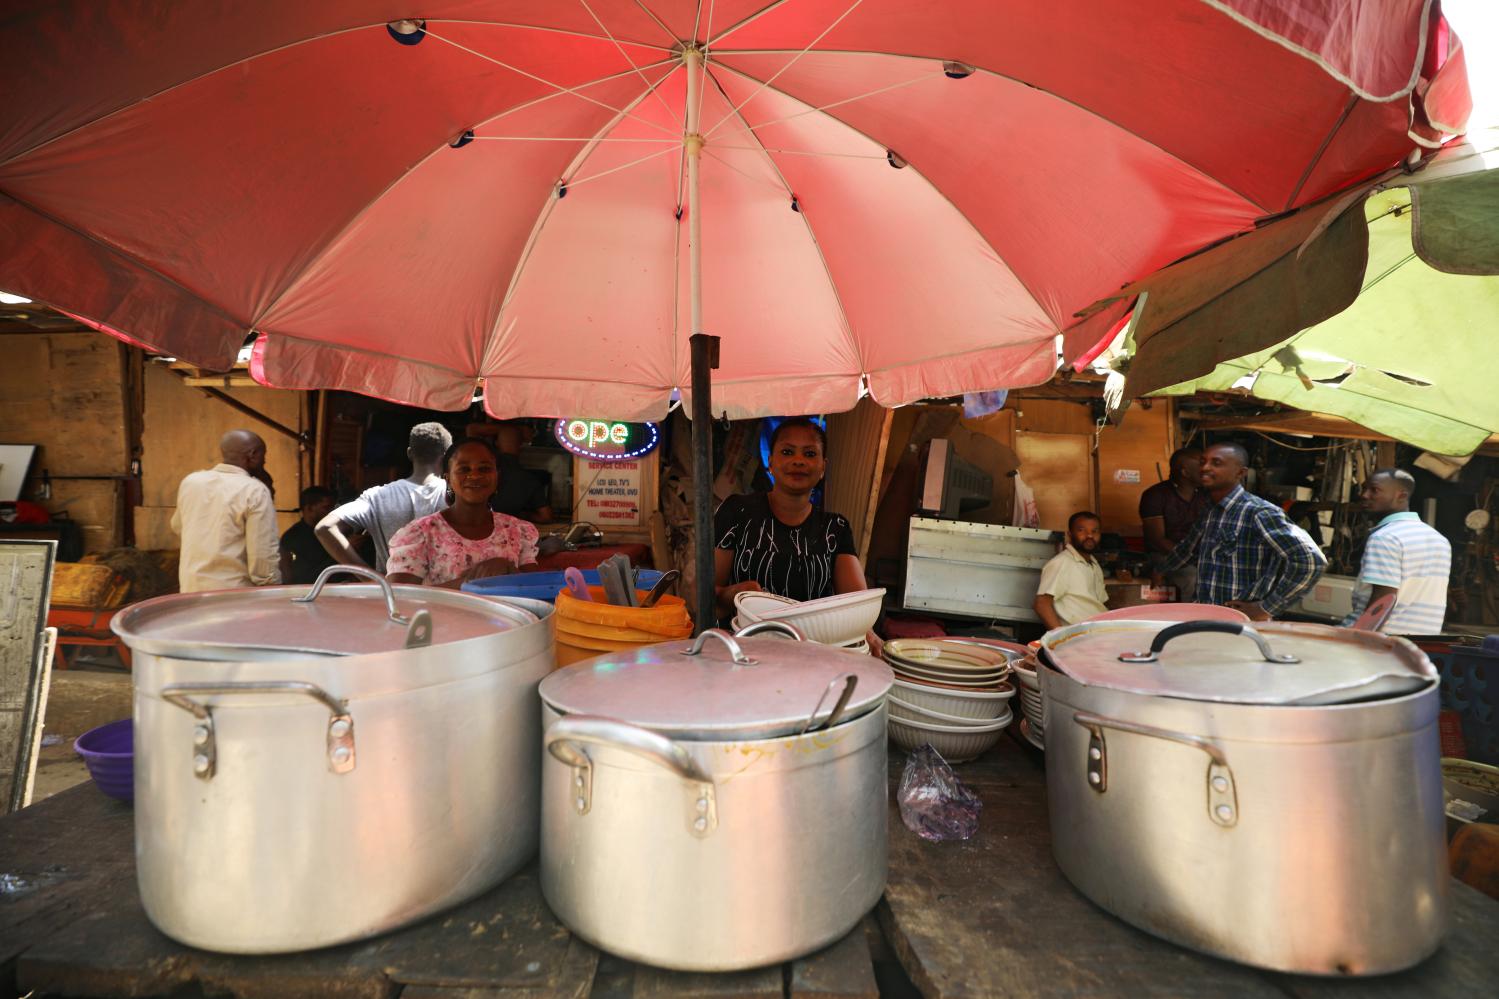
(950, 693)
(841, 620)
(1031, 705)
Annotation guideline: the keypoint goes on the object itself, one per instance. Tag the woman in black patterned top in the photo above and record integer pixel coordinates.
(776, 541)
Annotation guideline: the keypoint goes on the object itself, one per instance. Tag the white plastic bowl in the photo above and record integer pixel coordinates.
(835, 620)
(963, 703)
(956, 743)
(903, 709)
(947, 654)
(947, 682)
(961, 678)
(752, 605)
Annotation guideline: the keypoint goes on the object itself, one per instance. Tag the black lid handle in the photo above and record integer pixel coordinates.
(1194, 627)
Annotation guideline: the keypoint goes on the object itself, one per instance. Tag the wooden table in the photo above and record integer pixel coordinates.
(79, 930)
(992, 916)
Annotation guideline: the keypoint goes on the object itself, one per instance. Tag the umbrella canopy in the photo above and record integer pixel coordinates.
(904, 199)
(1413, 356)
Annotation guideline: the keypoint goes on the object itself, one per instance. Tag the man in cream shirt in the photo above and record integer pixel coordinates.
(1072, 587)
(227, 521)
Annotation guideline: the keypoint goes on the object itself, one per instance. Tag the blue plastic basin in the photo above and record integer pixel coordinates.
(543, 585)
(109, 753)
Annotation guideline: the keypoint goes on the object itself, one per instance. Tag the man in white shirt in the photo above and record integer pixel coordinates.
(1072, 587)
(381, 511)
(227, 521)
(1403, 556)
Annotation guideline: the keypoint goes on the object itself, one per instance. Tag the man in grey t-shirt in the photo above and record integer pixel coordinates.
(381, 511)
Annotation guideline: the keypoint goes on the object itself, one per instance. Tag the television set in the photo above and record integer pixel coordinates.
(949, 486)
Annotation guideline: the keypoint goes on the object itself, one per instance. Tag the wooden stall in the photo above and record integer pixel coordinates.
(68, 393)
(181, 431)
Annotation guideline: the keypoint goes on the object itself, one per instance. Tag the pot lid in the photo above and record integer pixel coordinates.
(278, 622)
(1269, 663)
(745, 688)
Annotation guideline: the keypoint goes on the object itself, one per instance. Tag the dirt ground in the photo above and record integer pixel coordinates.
(89, 695)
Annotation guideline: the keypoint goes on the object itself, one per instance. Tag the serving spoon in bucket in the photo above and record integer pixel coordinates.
(669, 577)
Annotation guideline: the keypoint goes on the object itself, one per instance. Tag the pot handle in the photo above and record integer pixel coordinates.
(205, 744)
(1223, 802)
(849, 681)
(740, 659)
(791, 631)
(1194, 627)
(357, 570)
(567, 736)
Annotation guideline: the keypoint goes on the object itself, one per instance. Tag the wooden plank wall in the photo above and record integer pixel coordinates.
(181, 434)
(856, 454)
(1131, 458)
(66, 393)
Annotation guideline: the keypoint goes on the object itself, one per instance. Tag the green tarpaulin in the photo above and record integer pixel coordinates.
(1416, 356)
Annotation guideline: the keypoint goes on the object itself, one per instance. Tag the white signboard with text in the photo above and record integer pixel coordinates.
(609, 493)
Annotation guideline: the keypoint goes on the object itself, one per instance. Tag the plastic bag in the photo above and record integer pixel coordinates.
(934, 804)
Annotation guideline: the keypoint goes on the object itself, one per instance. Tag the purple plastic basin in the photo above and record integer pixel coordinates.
(109, 753)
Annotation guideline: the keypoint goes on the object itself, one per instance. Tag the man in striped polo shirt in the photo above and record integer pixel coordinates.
(1403, 556)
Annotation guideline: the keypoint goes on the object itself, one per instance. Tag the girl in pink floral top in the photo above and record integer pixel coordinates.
(467, 540)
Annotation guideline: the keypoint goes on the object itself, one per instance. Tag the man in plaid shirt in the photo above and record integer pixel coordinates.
(1249, 554)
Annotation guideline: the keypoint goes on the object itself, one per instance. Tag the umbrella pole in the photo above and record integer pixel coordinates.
(704, 358)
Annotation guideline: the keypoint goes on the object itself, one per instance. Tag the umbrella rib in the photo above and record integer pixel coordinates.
(807, 152)
(156, 95)
(848, 326)
(574, 91)
(327, 247)
(847, 100)
(649, 88)
(570, 138)
(747, 19)
(659, 23)
(541, 218)
(708, 151)
(1321, 150)
(789, 63)
(1041, 309)
(572, 183)
(1016, 80)
(137, 261)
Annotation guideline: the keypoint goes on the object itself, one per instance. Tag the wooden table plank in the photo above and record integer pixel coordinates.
(995, 916)
(757, 983)
(843, 971)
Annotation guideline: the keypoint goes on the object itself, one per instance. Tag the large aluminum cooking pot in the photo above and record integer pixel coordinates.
(1272, 795)
(319, 765)
(717, 804)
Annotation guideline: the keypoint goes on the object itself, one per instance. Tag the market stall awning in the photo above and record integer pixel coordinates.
(896, 198)
(1413, 356)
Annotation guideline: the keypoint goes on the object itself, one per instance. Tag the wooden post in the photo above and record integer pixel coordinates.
(704, 360)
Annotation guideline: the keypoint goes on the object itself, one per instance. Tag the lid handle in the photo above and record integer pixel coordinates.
(740, 659)
(1194, 627)
(357, 570)
(849, 681)
(791, 631)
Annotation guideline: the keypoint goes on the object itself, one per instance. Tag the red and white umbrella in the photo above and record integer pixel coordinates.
(549, 196)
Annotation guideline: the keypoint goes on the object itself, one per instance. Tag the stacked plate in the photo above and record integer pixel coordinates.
(842, 620)
(950, 693)
(1032, 726)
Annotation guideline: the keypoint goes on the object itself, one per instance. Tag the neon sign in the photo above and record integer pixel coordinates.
(607, 440)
